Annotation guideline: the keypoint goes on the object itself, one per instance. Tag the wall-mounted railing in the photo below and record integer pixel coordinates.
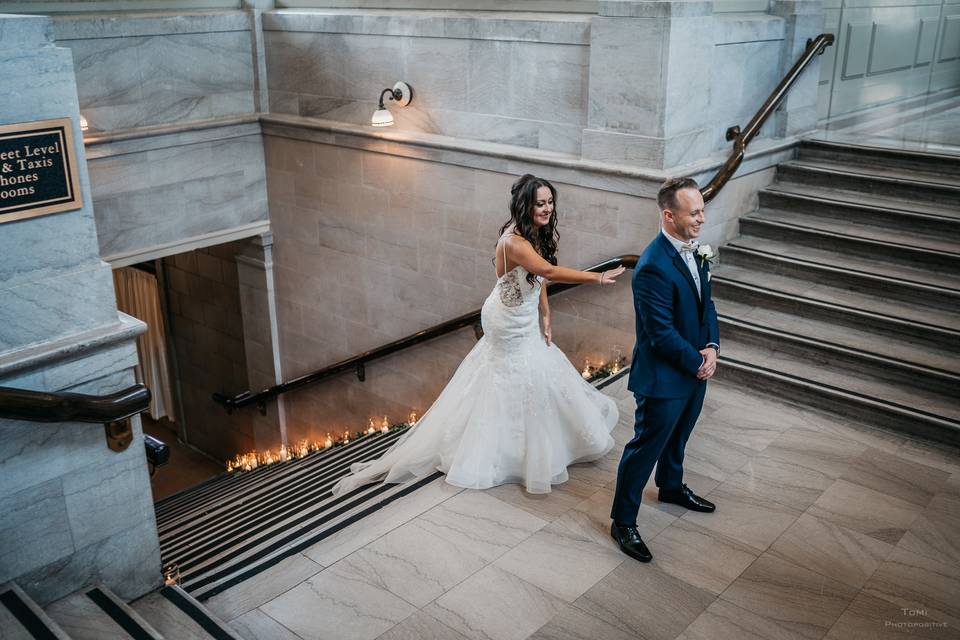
(741, 138)
(358, 362)
(113, 410)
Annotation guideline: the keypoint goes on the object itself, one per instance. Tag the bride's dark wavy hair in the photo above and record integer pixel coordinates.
(523, 197)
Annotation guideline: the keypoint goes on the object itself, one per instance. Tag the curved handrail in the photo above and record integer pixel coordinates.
(742, 138)
(357, 362)
(42, 406)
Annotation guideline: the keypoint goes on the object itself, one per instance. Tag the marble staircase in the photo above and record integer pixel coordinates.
(843, 289)
(96, 613)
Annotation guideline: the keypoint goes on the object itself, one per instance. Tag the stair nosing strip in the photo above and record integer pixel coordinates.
(844, 349)
(26, 616)
(303, 544)
(839, 307)
(877, 403)
(184, 603)
(887, 151)
(911, 284)
(128, 623)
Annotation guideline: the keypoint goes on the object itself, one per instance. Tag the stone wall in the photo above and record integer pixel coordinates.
(372, 244)
(74, 511)
(206, 326)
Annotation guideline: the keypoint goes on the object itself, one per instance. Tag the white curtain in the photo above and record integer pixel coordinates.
(138, 296)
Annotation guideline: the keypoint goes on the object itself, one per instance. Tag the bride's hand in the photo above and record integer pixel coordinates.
(548, 332)
(609, 277)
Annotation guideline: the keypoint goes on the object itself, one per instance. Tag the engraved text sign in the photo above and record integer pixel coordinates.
(38, 170)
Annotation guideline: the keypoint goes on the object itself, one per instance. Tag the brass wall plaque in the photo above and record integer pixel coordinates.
(38, 169)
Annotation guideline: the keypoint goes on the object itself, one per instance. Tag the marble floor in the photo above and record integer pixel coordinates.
(928, 123)
(824, 529)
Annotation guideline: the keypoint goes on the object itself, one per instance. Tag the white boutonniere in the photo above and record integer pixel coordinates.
(706, 254)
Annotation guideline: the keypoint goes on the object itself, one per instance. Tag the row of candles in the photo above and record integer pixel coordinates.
(255, 459)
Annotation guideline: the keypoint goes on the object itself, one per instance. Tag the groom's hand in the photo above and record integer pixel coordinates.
(709, 366)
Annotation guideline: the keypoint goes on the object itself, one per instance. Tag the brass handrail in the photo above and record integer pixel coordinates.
(357, 363)
(742, 138)
(112, 410)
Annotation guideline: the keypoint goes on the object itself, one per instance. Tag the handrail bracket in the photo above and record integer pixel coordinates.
(119, 434)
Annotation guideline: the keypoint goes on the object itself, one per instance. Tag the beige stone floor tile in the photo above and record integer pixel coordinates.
(713, 457)
(547, 506)
(573, 624)
(256, 625)
(797, 599)
(750, 429)
(815, 450)
(348, 540)
(912, 581)
(942, 457)
(420, 626)
(415, 563)
(870, 618)
(896, 476)
(699, 556)
(726, 621)
(338, 604)
(592, 517)
(831, 550)
(253, 592)
(561, 560)
(867, 435)
(493, 604)
(745, 517)
(477, 521)
(934, 534)
(782, 481)
(856, 507)
(643, 600)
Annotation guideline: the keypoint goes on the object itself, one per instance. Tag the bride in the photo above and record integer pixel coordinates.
(515, 410)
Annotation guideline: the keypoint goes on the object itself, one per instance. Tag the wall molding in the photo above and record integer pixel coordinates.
(188, 244)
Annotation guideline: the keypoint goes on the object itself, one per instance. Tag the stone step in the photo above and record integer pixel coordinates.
(859, 338)
(931, 218)
(22, 619)
(884, 254)
(96, 613)
(860, 397)
(820, 151)
(176, 614)
(901, 185)
(816, 300)
(890, 282)
(831, 350)
(850, 219)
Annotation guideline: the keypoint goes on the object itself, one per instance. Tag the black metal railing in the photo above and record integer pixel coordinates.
(358, 362)
(741, 139)
(112, 410)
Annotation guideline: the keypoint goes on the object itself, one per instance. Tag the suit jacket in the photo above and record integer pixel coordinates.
(673, 324)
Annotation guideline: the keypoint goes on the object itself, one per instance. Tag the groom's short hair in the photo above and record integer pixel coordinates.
(667, 196)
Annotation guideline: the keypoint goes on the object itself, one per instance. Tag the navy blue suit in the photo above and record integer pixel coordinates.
(673, 325)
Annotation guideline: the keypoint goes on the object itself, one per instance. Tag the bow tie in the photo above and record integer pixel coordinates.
(690, 247)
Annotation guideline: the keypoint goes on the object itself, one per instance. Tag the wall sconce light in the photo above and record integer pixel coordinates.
(401, 93)
(84, 125)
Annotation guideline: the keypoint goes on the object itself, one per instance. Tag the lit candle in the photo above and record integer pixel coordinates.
(413, 417)
(328, 443)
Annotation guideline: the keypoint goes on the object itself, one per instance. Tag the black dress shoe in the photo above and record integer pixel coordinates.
(686, 498)
(630, 542)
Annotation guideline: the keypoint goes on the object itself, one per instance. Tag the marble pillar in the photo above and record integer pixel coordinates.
(648, 85)
(261, 338)
(73, 511)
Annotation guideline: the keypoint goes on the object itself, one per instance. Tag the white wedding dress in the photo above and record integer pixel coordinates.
(515, 411)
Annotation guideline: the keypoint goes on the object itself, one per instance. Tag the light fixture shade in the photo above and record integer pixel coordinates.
(382, 118)
(84, 125)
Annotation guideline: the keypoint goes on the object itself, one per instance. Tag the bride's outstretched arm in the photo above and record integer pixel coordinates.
(522, 252)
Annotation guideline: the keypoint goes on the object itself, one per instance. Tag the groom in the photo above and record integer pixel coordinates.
(675, 355)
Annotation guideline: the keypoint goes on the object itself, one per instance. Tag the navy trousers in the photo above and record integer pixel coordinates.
(661, 429)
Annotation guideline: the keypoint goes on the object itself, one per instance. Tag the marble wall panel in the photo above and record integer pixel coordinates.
(516, 92)
(168, 195)
(31, 530)
(145, 69)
